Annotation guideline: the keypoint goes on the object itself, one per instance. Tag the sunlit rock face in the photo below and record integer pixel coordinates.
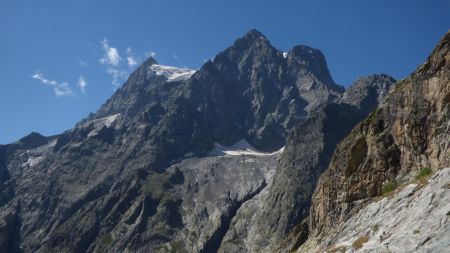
(407, 132)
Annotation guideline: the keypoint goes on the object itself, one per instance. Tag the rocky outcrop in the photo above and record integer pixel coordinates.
(407, 132)
(414, 218)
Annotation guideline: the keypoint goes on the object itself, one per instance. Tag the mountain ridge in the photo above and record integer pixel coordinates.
(139, 175)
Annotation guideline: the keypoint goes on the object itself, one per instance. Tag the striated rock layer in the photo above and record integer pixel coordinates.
(414, 218)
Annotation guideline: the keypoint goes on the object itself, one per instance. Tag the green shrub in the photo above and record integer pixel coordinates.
(340, 249)
(358, 243)
(106, 239)
(388, 187)
(423, 173)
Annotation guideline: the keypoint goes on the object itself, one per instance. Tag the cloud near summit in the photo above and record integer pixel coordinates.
(111, 54)
(60, 89)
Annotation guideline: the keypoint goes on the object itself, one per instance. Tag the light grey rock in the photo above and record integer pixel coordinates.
(416, 218)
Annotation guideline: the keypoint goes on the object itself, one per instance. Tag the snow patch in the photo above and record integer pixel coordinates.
(171, 73)
(32, 161)
(102, 122)
(241, 147)
(285, 54)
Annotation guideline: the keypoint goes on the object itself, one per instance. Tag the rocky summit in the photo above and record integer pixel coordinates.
(259, 150)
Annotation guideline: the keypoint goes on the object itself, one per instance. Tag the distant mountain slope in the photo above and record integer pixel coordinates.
(408, 132)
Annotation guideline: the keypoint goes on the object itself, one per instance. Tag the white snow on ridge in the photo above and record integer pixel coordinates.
(32, 161)
(241, 147)
(102, 122)
(171, 73)
(106, 121)
(285, 54)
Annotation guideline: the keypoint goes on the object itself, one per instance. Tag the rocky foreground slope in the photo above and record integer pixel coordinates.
(413, 218)
(408, 133)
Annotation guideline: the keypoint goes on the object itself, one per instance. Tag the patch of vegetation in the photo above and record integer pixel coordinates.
(104, 242)
(402, 83)
(388, 187)
(375, 227)
(373, 116)
(340, 249)
(162, 248)
(423, 175)
(416, 231)
(358, 243)
(178, 247)
(158, 185)
(424, 172)
(106, 239)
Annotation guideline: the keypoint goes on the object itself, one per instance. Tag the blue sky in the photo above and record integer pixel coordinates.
(49, 49)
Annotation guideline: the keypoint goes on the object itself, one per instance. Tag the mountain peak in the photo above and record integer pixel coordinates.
(150, 61)
(251, 38)
(32, 140)
(306, 53)
(253, 33)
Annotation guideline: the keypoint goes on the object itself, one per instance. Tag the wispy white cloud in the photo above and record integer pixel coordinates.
(117, 75)
(82, 63)
(112, 59)
(131, 61)
(111, 54)
(60, 89)
(40, 77)
(82, 83)
(175, 56)
(117, 67)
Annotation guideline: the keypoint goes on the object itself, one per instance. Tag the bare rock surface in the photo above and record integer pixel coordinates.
(415, 218)
(408, 132)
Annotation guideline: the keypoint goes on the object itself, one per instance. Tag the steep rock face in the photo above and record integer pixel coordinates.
(97, 187)
(409, 131)
(266, 224)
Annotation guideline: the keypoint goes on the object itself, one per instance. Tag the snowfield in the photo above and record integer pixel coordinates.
(241, 147)
(171, 73)
(102, 122)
